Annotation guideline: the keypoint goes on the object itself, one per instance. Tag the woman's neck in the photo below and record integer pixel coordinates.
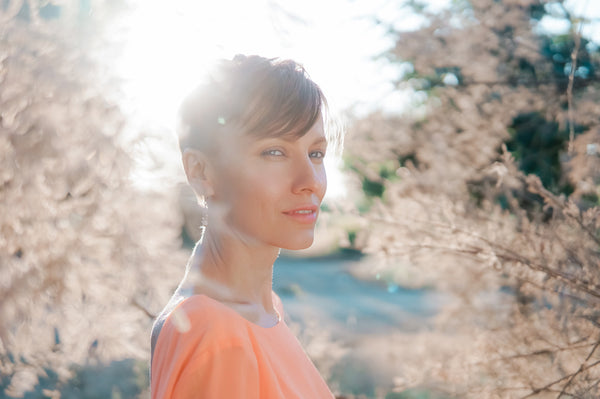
(235, 272)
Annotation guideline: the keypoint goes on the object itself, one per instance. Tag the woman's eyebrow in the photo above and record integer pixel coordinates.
(320, 140)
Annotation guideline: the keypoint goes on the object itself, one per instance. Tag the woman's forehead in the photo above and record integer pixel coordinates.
(315, 135)
(316, 130)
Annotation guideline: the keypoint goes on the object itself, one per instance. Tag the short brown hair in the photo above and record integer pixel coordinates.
(262, 97)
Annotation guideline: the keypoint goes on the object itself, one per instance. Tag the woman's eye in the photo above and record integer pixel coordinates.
(273, 153)
(317, 154)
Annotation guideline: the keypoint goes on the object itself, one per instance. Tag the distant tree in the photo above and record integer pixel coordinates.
(85, 258)
(494, 197)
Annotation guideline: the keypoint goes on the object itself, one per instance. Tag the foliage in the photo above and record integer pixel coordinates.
(514, 239)
(536, 144)
(85, 258)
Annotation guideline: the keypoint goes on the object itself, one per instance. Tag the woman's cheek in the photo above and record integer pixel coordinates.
(323, 182)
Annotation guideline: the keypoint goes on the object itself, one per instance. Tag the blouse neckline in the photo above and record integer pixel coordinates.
(227, 308)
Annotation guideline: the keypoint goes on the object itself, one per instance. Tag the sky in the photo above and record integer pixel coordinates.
(168, 48)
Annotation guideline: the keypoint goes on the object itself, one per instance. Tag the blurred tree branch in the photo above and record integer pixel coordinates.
(82, 251)
(499, 205)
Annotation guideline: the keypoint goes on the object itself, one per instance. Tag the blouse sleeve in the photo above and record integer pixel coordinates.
(229, 372)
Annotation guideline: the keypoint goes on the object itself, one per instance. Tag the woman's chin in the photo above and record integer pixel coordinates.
(299, 247)
(296, 245)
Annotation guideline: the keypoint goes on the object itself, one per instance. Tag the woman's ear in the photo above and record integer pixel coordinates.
(199, 172)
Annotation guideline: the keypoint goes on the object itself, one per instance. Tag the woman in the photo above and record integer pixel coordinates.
(252, 143)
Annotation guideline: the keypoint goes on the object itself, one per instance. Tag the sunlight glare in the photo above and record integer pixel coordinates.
(170, 47)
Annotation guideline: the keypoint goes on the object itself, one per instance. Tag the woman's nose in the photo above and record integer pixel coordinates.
(309, 177)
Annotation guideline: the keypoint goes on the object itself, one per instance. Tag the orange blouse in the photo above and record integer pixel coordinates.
(205, 349)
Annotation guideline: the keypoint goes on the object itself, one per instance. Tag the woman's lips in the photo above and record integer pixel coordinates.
(303, 215)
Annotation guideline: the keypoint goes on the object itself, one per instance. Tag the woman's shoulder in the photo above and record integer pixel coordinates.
(200, 340)
(199, 317)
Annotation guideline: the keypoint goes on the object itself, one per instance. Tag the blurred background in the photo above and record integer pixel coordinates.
(458, 249)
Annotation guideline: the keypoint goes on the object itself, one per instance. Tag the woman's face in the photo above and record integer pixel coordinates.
(269, 189)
